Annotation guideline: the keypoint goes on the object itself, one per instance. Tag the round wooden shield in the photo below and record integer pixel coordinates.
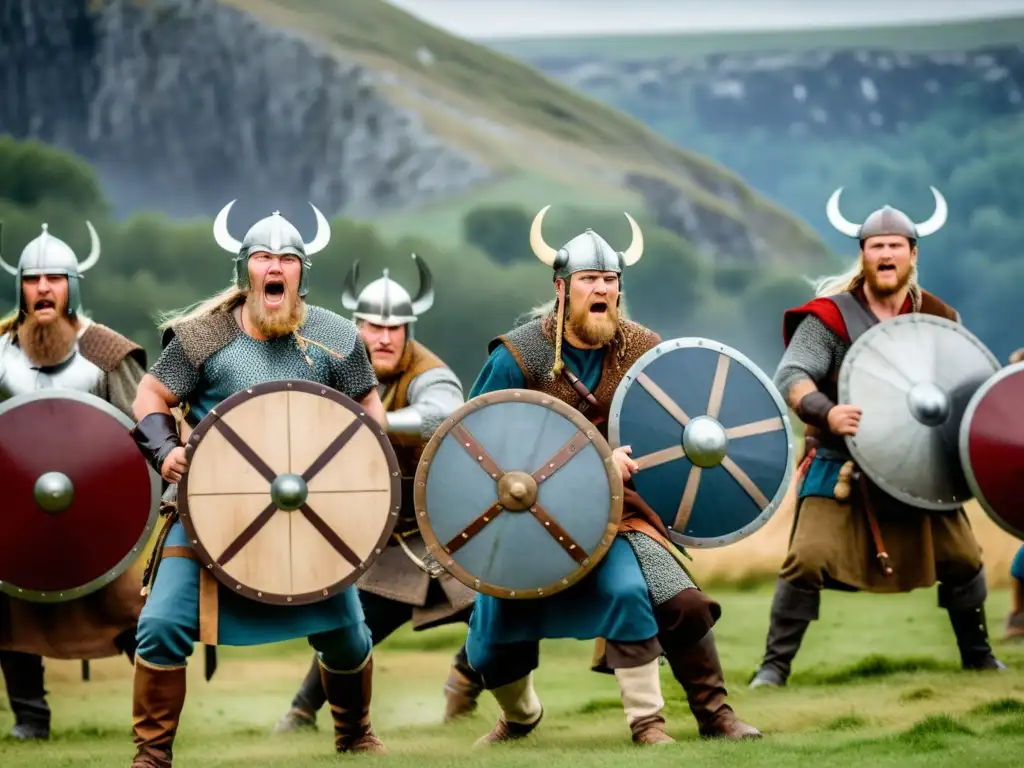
(292, 491)
(517, 495)
(992, 448)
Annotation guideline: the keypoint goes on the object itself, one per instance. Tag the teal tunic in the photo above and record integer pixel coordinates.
(243, 362)
(611, 602)
(821, 478)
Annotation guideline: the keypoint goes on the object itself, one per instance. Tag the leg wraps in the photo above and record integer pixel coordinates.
(518, 701)
(641, 691)
(23, 673)
(793, 609)
(311, 696)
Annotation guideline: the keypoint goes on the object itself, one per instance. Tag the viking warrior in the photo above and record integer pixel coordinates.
(836, 526)
(258, 330)
(418, 391)
(1015, 621)
(639, 600)
(48, 343)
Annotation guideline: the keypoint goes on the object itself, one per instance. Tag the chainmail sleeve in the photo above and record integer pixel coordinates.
(433, 396)
(174, 370)
(810, 355)
(354, 375)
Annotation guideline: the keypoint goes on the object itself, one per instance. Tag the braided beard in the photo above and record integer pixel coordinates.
(46, 344)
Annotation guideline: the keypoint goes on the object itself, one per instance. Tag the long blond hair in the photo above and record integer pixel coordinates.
(853, 278)
(9, 323)
(224, 301)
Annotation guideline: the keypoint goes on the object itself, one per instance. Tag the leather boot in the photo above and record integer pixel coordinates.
(1015, 621)
(699, 671)
(158, 698)
(642, 701)
(972, 639)
(349, 696)
(521, 712)
(462, 689)
(965, 604)
(793, 609)
(23, 674)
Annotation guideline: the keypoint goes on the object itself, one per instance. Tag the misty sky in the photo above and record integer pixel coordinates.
(522, 18)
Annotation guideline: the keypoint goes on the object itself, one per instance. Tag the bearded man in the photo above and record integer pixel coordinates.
(639, 600)
(48, 343)
(418, 392)
(834, 530)
(260, 329)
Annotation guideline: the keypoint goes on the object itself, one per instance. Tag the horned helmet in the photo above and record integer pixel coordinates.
(49, 255)
(273, 234)
(888, 220)
(586, 251)
(385, 302)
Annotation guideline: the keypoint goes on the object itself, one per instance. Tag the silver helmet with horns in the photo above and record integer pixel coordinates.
(49, 255)
(384, 301)
(275, 235)
(888, 220)
(586, 251)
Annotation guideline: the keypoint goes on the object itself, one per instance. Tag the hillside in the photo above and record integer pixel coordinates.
(357, 106)
(885, 113)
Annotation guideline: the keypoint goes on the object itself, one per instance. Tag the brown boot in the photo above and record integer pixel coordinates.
(158, 697)
(1015, 621)
(461, 695)
(348, 695)
(650, 730)
(699, 671)
(518, 701)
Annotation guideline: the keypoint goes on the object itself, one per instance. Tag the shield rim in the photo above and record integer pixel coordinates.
(155, 488)
(435, 547)
(843, 387)
(243, 396)
(700, 342)
(965, 446)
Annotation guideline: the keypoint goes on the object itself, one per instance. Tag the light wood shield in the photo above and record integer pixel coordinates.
(352, 479)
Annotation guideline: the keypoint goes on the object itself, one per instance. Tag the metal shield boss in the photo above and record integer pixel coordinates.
(912, 377)
(712, 437)
(291, 492)
(517, 495)
(79, 501)
(992, 448)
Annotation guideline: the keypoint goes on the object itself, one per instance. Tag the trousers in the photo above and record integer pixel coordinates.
(1017, 566)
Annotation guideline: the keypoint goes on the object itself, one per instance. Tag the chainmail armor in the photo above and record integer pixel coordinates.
(664, 576)
(535, 349)
(435, 393)
(245, 362)
(813, 352)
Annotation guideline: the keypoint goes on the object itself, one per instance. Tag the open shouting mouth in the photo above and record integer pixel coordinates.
(598, 308)
(886, 268)
(43, 305)
(273, 293)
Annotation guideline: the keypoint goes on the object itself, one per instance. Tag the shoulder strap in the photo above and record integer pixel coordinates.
(856, 316)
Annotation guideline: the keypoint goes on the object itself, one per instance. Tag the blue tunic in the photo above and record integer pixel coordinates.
(610, 602)
(240, 363)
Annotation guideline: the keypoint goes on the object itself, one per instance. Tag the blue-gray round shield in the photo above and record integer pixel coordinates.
(517, 495)
(712, 436)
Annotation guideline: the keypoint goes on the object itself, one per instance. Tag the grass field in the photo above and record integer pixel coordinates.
(877, 684)
(954, 36)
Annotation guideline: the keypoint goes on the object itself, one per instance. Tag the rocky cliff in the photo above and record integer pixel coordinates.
(854, 92)
(182, 105)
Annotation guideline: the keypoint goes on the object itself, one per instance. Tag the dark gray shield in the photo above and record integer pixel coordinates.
(712, 437)
(517, 495)
(992, 448)
(912, 376)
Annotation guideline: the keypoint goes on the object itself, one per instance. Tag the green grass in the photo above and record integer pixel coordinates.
(955, 36)
(877, 684)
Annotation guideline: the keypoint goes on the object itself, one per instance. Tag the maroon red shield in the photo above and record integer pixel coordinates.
(79, 501)
(992, 447)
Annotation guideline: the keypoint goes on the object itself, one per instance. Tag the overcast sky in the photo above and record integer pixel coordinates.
(521, 18)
